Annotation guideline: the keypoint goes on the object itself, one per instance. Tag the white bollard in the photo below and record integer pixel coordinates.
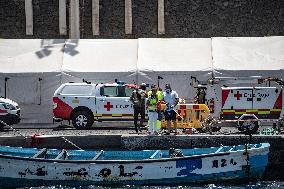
(96, 17)
(62, 17)
(29, 16)
(74, 23)
(161, 17)
(128, 17)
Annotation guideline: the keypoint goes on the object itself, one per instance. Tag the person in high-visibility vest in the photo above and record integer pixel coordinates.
(160, 114)
(151, 105)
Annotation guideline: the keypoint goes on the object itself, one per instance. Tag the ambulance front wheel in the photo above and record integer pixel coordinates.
(82, 119)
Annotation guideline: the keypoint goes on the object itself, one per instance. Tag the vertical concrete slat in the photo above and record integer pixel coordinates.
(29, 17)
(62, 17)
(96, 17)
(74, 19)
(128, 17)
(161, 17)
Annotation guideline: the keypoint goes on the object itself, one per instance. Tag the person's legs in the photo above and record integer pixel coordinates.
(151, 117)
(167, 118)
(142, 113)
(155, 118)
(136, 112)
(173, 118)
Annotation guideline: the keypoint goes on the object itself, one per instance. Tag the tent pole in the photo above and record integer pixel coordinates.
(6, 81)
(39, 80)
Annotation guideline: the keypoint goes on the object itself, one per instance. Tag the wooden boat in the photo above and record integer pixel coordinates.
(39, 167)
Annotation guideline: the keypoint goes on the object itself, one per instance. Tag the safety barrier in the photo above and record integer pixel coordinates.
(188, 116)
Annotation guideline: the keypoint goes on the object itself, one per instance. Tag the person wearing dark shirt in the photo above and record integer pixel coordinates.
(138, 98)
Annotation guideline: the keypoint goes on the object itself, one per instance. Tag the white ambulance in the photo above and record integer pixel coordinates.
(84, 103)
(247, 106)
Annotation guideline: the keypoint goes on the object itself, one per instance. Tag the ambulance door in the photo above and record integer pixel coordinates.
(113, 103)
(268, 102)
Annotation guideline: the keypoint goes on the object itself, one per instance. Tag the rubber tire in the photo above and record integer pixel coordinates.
(250, 131)
(1, 126)
(87, 114)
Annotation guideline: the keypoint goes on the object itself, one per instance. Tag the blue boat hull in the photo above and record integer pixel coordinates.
(234, 177)
(217, 165)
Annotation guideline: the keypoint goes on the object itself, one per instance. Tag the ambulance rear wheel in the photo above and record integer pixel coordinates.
(82, 119)
(250, 127)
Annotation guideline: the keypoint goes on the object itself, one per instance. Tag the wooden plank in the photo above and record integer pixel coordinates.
(74, 19)
(128, 17)
(62, 17)
(161, 17)
(62, 153)
(98, 155)
(29, 16)
(155, 154)
(40, 154)
(96, 17)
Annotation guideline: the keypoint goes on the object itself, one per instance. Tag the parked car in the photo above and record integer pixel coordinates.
(9, 112)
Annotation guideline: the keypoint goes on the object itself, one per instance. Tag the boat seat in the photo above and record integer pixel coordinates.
(98, 155)
(63, 154)
(232, 149)
(40, 153)
(156, 155)
(219, 149)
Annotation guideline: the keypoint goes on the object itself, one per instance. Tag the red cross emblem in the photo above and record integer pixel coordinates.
(108, 106)
(238, 95)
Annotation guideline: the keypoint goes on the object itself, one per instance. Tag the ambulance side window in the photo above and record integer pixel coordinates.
(128, 91)
(109, 91)
(121, 91)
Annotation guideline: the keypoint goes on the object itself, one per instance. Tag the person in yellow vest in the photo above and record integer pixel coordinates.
(151, 105)
(160, 114)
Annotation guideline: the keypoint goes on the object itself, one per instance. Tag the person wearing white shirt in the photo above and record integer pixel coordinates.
(171, 100)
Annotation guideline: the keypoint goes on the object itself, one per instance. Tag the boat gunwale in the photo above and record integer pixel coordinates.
(2, 156)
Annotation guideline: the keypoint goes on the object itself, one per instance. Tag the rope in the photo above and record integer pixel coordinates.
(2, 122)
(66, 140)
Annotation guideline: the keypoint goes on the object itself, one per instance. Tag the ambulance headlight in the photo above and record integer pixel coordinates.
(9, 106)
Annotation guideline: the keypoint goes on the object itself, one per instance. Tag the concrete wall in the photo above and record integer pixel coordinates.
(107, 142)
(183, 18)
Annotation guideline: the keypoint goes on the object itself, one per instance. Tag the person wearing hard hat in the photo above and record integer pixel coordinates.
(171, 99)
(138, 99)
(151, 105)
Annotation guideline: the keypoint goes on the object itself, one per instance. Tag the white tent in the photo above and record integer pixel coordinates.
(248, 56)
(100, 61)
(175, 60)
(32, 69)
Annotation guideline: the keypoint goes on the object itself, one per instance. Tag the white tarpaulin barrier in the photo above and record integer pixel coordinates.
(33, 68)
